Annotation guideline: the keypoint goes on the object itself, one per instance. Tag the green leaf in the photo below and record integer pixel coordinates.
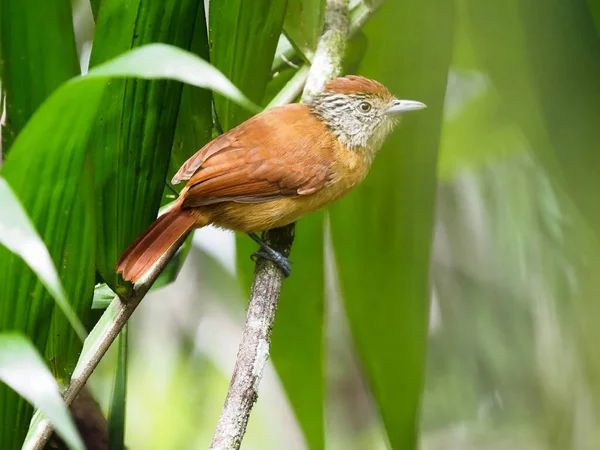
(50, 150)
(176, 64)
(32, 67)
(53, 147)
(18, 234)
(195, 118)
(134, 134)
(303, 24)
(298, 338)
(564, 50)
(509, 71)
(22, 368)
(243, 38)
(382, 232)
(298, 334)
(545, 78)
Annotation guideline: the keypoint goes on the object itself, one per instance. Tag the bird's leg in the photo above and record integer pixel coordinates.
(267, 252)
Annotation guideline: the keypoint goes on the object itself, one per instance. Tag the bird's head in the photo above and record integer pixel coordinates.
(359, 111)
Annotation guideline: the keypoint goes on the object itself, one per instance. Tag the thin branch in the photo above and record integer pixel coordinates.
(254, 348)
(121, 310)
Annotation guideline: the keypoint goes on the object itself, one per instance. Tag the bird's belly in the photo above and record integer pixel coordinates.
(248, 217)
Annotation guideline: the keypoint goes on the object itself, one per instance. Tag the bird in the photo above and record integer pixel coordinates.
(274, 168)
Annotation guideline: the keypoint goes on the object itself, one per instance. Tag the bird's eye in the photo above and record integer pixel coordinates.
(365, 107)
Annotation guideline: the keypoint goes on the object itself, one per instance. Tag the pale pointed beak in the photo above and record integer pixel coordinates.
(402, 106)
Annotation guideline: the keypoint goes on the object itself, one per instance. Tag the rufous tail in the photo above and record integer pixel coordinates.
(146, 250)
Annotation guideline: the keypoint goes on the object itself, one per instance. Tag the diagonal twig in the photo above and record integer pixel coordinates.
(95, 348)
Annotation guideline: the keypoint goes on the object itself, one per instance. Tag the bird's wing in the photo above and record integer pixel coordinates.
(283, 152)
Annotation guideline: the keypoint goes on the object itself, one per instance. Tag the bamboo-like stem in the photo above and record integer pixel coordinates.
(253, 352)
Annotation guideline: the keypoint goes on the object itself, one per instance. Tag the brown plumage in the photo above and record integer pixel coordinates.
(273, 169)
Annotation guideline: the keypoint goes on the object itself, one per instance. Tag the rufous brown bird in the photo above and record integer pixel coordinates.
(275, 168)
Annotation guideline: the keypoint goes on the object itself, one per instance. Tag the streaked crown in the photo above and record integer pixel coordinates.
(359, 111)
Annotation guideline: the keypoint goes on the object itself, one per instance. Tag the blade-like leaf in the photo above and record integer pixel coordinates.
(133, 135)
(303, 24)
(382, 232)
(46, 168)
(549, 87)
(18, 235)
(195, 118)
(566, 69)
(53, 147)
(176, 64)
(22, 368)
(297, 343)
(32, 67)
(243, 38)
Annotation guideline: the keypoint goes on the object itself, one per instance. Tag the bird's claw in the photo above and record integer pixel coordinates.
(281, 261)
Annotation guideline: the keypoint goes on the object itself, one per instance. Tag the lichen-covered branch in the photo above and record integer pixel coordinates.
(327, 63)
(256, 339)
(253, 352)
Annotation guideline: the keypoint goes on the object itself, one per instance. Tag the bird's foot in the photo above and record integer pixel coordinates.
(268, 253)
(282, 262)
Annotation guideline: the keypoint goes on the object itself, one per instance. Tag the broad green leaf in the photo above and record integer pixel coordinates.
(22, 368)
(116, 417)
(195, 119)
(303, 24)
(243, 38)
(382, 232)
(563, 48)
(176, 64)
(18, 234)
(50, 150)
(298, 332)
(53, 147)
(298, 335)
(133, 134)
(38, 54)
(509, 72)
(554, 84)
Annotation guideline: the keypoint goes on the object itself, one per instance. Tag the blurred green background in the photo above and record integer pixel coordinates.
(450, 302)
